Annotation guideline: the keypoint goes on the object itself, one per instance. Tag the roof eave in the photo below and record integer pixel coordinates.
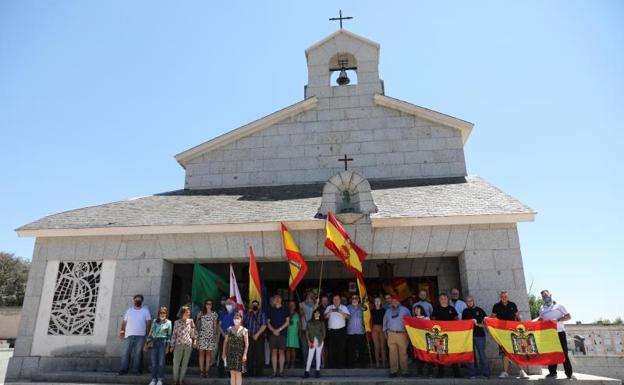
(309, 224)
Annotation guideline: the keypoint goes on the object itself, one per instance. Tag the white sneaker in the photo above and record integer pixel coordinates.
(522, 375)
(503, 375)
(153, 382)
(159, 382)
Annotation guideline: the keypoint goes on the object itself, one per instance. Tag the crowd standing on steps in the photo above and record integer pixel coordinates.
(322, 330)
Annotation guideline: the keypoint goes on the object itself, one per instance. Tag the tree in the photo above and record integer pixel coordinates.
(617, 321)
(13, 278)
(535, 303)
(603, 321)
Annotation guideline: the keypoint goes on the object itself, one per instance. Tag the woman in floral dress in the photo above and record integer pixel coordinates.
(207, 341)
(235, 348)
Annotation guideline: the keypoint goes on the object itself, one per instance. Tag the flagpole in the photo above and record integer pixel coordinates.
(318, 297)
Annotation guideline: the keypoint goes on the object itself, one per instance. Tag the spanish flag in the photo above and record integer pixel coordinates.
(298, 266)
(255, 287)
(340, 244)
(440, 342)
(527, 343)
(338, 241)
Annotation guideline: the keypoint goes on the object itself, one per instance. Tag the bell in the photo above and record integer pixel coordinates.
(343, 79)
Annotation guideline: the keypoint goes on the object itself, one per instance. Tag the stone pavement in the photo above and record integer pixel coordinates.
(5, 354)
(358, 376)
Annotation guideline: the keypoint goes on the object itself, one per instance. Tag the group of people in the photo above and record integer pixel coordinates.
(320, 330)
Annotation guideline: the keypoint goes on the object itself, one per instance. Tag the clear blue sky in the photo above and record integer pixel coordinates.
(97, 97)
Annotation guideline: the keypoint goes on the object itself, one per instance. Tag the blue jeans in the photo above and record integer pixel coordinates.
(158, 358)
(479, 356)
(133, 347)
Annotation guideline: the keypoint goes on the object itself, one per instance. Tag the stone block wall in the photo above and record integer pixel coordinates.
(384, 143)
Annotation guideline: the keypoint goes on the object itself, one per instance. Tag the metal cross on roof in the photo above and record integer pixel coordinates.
(340, 18)
(345, 160)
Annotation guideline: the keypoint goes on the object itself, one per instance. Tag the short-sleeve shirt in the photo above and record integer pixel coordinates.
(447, 313)
(136, 321)
(277, 317)
(459, 306)
(428, 307)
(553, 313)
(393, 319)
(505, 312)
(378, 315)
(336, 320)
(356, 322)
(478, 314)
(226, 319)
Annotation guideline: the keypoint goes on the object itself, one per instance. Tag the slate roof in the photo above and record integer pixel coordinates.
(405, 198)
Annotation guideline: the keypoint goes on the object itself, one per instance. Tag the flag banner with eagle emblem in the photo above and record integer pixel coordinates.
(255, 287)
(338, 241)
(527, 343)
(440, 342)
(296, 264)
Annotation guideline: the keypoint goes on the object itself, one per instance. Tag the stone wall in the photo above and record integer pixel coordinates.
(486, 258)
(384, 144)
(9, 322)
(605, 366)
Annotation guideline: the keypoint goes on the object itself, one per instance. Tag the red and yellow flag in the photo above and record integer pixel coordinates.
(527, 343)
(340, 244)
(255, 287)
(338, 241)
(440, 342)
(297, 265)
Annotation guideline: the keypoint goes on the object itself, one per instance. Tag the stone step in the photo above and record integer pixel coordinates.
(51, 378)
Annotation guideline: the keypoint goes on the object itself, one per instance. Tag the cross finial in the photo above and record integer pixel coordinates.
(340, 18)
(345, 160)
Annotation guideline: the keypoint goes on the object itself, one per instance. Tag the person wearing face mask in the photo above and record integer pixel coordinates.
(379, 337)
(255, 322)
(396, 335)
(552, 311)
(356, 338)
(159, 337)
(207, 326)
(235, 349)
(315, 337)
(183, 340)
(226, 320)
(134, 328)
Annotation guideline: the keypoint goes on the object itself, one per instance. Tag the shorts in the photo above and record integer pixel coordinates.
(277, 341)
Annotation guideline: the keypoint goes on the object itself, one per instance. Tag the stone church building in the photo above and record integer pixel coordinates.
(401, 191)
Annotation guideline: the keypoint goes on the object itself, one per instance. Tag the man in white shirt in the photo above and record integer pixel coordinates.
(336, 315)
(134, 328)
(456, 302)
(552, 311)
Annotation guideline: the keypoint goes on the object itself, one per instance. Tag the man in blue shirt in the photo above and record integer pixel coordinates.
(356, 339)
(396, 335)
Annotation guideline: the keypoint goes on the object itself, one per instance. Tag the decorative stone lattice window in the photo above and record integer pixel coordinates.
(347, 192)
(75, 299)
